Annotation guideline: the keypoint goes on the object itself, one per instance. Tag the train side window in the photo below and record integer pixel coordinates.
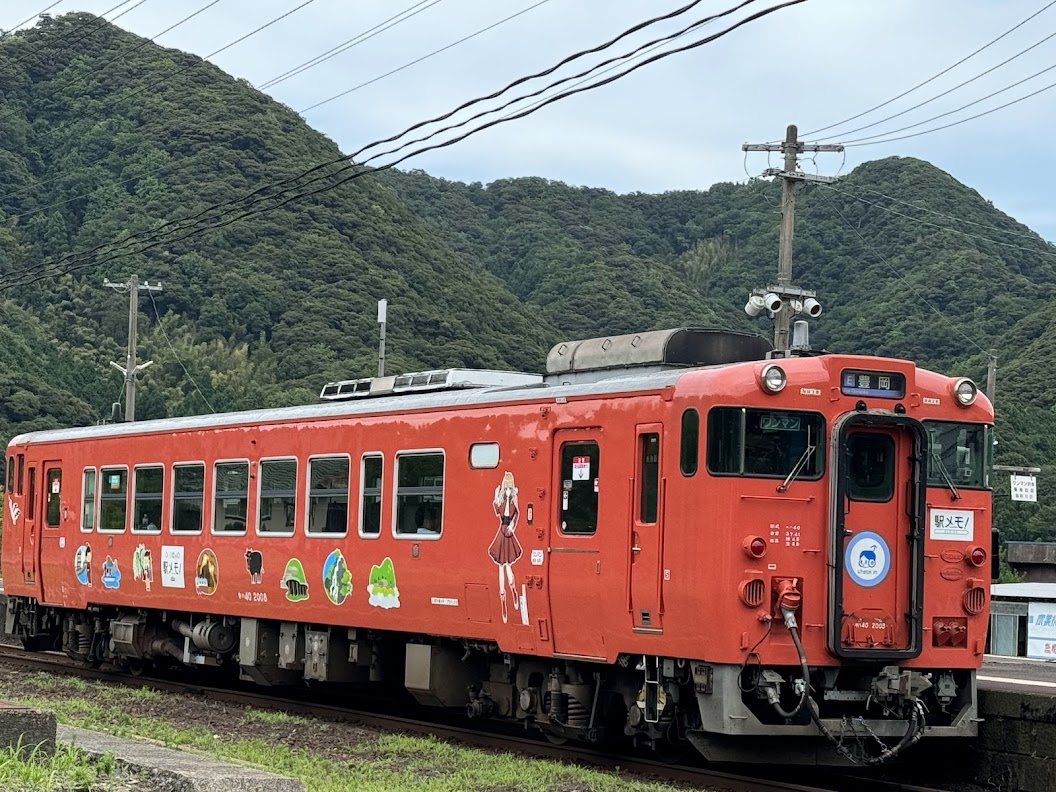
(231, 497)
(113, 500)
(88, 500)
(484, 456)
(188, 498)
(370, 495)
(765, 443)
(11, 474)
(689, 451)
(328, 496)
(277, 499)
(870, 467)
(21, 471)
(32, 493)
(147, 485)
(649, 476)
(54, 497)
(579, 481)
(419, 494)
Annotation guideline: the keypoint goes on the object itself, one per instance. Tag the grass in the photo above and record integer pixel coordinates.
(366, 762)
(66, 769)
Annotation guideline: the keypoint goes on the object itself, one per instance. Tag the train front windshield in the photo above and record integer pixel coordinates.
(958, 454)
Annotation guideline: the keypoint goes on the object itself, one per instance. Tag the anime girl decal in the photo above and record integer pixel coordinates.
(505, 549)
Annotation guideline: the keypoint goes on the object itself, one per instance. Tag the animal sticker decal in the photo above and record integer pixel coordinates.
(13, 510)
(111, 576)
(505, 550)
(206, 573)
(143, 565)
(337, 579)
(867, 559)
(255, 566)
(294, 581)
(381, 586)
(82, 564)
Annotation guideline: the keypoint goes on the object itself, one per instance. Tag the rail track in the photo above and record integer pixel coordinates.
(701, 777)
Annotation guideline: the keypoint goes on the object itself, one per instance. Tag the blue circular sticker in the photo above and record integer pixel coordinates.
(867, 559)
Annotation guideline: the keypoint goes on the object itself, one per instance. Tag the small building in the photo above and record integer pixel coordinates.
(1023, 620)
(1035, 561)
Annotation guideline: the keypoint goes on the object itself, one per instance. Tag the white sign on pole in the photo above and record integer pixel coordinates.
(1024, 488)
(383, 306)
(1041, 630)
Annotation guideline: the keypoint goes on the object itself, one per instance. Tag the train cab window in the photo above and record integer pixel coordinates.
(958, 454)
(188, 497)
(54, 497)
(649, 459)
(870, 467)
(113, 499)
(328, 496)
(370, 495)
(690, 442)
(147, 485)
(579, 485)
(278, 496)
(88, 500)
(765, 443)
(11, 475)
(419, 494)
(231, 497)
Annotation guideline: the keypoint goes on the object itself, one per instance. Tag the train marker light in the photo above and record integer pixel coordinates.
(965, 392)
(977, 556)
(754, 547)
(773, 378)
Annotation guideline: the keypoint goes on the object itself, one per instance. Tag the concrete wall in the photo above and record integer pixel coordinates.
(1017, 742)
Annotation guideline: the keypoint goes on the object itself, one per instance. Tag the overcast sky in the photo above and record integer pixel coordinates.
(675, 124)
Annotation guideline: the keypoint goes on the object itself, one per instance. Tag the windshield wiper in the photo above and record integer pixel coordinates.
(954, 494)
(798, 468)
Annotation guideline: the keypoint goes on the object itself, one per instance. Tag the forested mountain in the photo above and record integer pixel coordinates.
(103, 134)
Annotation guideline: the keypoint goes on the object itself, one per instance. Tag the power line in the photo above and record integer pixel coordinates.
(955, 110)
(958, 122)
(31, 17)
(345, 158)
(936, 225)
(951, 90)
(152, 239)
(158, 83)
(94, 21)
(172, 349)
(1032, 236)
(425, 57)
(902, 278)
(934, 77)
(356, 40)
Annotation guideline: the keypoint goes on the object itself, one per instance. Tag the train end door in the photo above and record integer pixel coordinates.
(53, 510)
(647, 530)
(877, 537)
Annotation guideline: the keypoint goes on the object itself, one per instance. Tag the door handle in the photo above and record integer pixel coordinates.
(634, 542)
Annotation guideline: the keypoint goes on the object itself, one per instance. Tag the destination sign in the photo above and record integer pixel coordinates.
(881, 384)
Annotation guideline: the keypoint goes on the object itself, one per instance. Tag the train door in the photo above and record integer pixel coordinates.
(878, 537)
(50, 563)
(647, 530)
(30, 537)
(577, 599)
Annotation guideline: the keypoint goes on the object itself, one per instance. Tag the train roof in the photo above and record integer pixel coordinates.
(468, 397)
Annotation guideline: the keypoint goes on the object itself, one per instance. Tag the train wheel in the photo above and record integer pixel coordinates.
(554, 739)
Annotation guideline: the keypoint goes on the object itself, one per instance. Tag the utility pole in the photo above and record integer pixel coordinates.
(991, 377)
(792, 147)
(131, 368)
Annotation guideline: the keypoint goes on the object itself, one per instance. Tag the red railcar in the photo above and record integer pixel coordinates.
(666, 536)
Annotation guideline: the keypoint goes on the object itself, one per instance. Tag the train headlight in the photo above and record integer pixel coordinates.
(965, 391)
(773, 378)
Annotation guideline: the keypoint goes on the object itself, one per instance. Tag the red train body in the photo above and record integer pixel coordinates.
(653, 549)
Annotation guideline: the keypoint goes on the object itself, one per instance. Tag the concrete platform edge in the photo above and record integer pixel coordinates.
(186, 772)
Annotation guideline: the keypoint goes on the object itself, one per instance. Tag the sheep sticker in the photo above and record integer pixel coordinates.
(867, 559)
